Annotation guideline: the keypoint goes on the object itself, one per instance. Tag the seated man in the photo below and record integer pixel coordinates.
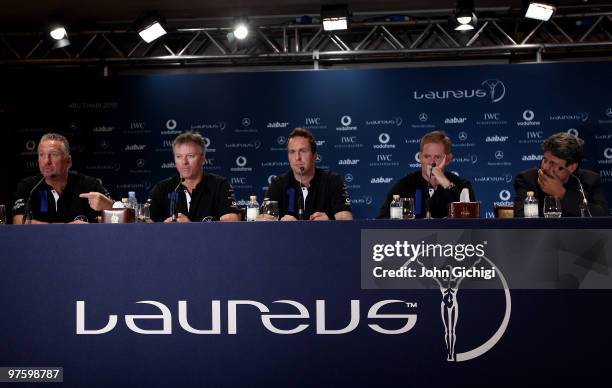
(58, 196)
(306, 192)
(193, 195)
(432, 186)
(559, 176)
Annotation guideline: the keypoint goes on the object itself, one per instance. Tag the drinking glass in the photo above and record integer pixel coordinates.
(408, 205)
(2, 214)
(269, 210)
(552, 207)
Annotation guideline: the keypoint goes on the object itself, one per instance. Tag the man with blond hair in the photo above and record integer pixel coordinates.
(58, 195)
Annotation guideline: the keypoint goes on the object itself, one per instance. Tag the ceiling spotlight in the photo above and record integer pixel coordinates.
(540, 10)
(58, 34)
(464, 18)
(241, 28)
(335, 17)
(150, 27)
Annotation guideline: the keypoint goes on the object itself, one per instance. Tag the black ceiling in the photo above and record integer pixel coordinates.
(29, 15)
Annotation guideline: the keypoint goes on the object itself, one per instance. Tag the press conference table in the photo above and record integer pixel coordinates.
(553, 336)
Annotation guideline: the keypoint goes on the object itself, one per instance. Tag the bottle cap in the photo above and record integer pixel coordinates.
(253, 198)
(396, 197)
(530, 193)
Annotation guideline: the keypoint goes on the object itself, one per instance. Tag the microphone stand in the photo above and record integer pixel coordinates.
(429, 195)
(174, 200)
(585, 204)
(27, 218)
(301, 197)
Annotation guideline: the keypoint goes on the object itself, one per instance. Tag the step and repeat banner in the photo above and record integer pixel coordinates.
(367, 123)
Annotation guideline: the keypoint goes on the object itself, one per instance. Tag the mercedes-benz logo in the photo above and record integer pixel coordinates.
(104, 144)
(281, 140)
(348, 178)
(463, 136)
(423, 117)
(609, 112)
(140, 163)
(319, 158)
(499, 154)
(497, 89)
(246, 122)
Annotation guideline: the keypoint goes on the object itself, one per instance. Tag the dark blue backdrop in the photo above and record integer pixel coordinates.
(367, 122)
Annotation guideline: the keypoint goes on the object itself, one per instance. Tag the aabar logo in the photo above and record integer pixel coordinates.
(381, 180)
(455, 120)
(532, 158)
(135, 147)
(163, 316)
(348, 162)
(277, 124)
(496, 139)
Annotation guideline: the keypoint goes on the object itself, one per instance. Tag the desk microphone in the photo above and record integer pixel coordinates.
(27, 219)
(429, 186)
(585, 203)
(174, 200)
(301, 197)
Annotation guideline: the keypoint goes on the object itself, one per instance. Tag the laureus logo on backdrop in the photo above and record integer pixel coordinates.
(447, 265)
(492, 88)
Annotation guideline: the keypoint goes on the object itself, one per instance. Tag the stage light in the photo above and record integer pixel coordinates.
(335, 17)
(58, 33)
(241, 28)
(464, 18)
(540, 10)
(150, 27)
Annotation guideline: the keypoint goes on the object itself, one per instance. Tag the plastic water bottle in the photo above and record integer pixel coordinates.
(396, 210)
(530, 209)
(132, 201)
(252, 211)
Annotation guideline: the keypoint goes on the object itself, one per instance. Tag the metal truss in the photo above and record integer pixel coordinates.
(504, 37)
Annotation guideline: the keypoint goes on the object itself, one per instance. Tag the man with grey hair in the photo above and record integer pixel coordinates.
(193, 195)
(58, 195)
(560, 177)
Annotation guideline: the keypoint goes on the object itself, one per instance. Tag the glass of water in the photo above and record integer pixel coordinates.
(552, 207)
(269, 210)
(408, 205)
(2, 214)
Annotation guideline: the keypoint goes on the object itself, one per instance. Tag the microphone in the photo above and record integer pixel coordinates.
(585, 203)
(174, 200)
(27, 219)
(301, 197)
(430, 187)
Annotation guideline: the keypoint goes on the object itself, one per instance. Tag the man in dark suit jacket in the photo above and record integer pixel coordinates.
(559, 176)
